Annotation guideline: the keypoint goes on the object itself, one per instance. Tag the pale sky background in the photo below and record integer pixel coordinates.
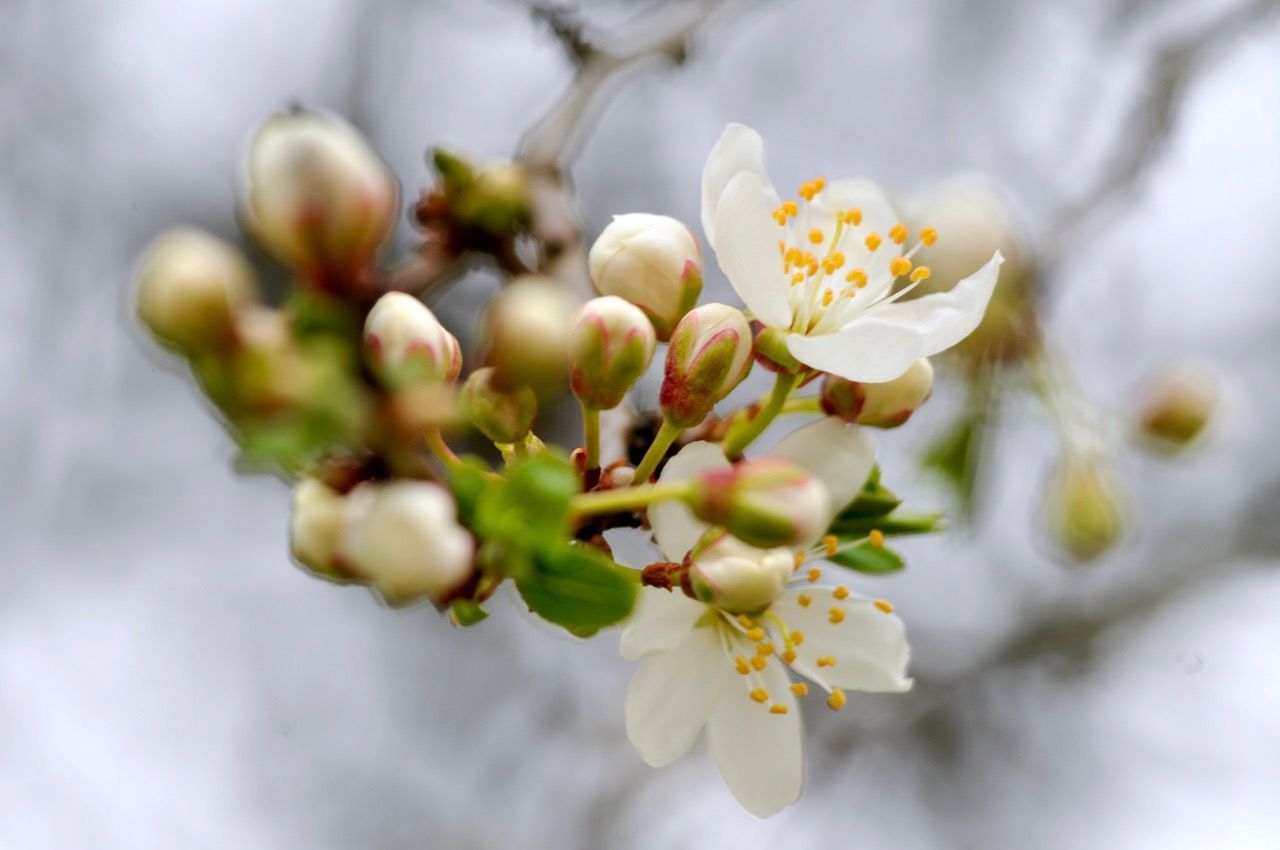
(168, 679)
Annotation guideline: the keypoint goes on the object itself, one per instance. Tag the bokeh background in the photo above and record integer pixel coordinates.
(168, 679)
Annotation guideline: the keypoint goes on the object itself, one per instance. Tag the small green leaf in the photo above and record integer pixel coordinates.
(469, 483)
(869, 558)
(467, 612)
(531, 511)
(579, 588)
(958, 454)
(896, 524)
(873, 500)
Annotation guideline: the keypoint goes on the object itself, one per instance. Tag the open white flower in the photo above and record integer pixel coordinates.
(822, 269)
(729, 669)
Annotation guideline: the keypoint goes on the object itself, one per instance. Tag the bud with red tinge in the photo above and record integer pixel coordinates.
(765, 502)
(405, 344)
(190, 286)
(652, 261)
(885, 405)
(739, 578)
(709, 355)
(611, 343)
(504, 416)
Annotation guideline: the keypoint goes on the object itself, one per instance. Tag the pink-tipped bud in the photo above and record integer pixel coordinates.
(504, 416)
(315, 526)
(611, 343)
(1178, 405)
(738, 578)
(885, 405)
(652, 261)
(403, 538)
(190, 286)
(1087, 514)
(317, 196)
(709, 355)
(526, 335)
(765, 502)
(405, 344)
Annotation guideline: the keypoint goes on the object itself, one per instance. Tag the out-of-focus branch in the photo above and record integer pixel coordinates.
(1152, 118)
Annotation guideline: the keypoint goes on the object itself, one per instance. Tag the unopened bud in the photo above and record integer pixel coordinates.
(504, 416)
(1087, 514)
(885, 405)
(1179, 403)
(496, 198)
(315, 526)
(190, 285)
(709, 355)
(317, 196)
(764, 502)
(739, 578)
(610, 345)
(405, 344)
(403, 537)
(653, 261)
(526, 333)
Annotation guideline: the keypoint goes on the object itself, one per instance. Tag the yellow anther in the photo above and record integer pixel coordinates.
(841, 592)
(799, 559)
(814, 574)
(797, 637)
(746, 621)
(816, 236)
(828, 267)
(759, 661)
(812, 269)
(760, 695)
(789, 656)
(797, 278)
(803, 601)
(831, 543)
(764, 648)
(884, 605)
(837, 258)
(755, 634)
(800, 689)
(790, 208)
(807, 191)
(819, 183)
(836, 701)
(782, 248)
(929, 235)
(835, 615)
(920, 273)
(780, 217)
(898, 234)
(826, 661)
(853, 216)
(876, 537)
(741, 665)
(857, 277)
(778, 709)
(899, 266)
(872, 241)
(827, 296)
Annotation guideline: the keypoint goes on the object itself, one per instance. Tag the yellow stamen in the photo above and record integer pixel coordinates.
(884, 605)
(760, 695)
(740, 664)
(921, 273)
(836, 701)
(876, 537)
(777, 709)
(899, 266)
(790, 208)
(807, 191)
(853, 216)
(789, 656)
(831, 543)
(746, 621)
(898, 234)
(797, 637)
(835, 616)
(764, 648)
(800, 556)
(803, 600)
(780, 217)
(837, 259)
(814, 574)
(797, 278)
(756, 634)
(929, 235)
(841, 592)
(827, 295)
(819, 183)
(759, 661)
(816, 236)
(857, 277)
(800, 689)
(872, 241)
(826, 661)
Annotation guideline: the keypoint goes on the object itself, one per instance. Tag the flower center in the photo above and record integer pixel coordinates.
(837, 266)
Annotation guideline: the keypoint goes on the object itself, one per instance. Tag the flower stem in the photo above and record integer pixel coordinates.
(626, 498)
(435, 441)
(745, 431)
(591, 436)
(657, 450)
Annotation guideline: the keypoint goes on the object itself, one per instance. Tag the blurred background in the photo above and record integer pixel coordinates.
(167, 678)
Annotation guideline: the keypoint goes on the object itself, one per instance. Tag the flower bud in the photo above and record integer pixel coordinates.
(610, 345)
(739, 578)
(318, 197)
(502, 416)
(405, 343)
(885, 405)
(654, 262)
(496, 198)
(1178, 404)
(190, 285)
(709, 355)
(315, 526)
(527, 343)
(1087, 514)
(403, 537)
(764, 502)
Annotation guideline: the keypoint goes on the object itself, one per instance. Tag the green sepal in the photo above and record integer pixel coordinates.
(467, 612)
(869, 558)
(873, 500)
(579, 588)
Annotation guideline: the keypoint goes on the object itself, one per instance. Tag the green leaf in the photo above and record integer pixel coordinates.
(531, 510)
(469, 483)
(467, 612)
(579, 588)
(895, 525)
(874, 500)
(869, 558)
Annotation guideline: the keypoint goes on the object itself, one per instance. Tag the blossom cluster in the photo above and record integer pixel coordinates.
(353, 389)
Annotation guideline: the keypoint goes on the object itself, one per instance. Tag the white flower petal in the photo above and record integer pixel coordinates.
(674, 526)
(662, 620)
(945, 318)
(760, 754)
(673, 694)
(869, 646)
(739, 149)
(839, 454)
(747, 248)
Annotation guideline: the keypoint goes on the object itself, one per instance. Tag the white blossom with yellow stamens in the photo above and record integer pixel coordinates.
(823, 269)
(725, 660)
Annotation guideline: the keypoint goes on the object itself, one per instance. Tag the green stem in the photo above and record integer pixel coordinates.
(591, 436)
(666, 436)
(435, 441)
(744, 432)
(627, 498)
(808, 404)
